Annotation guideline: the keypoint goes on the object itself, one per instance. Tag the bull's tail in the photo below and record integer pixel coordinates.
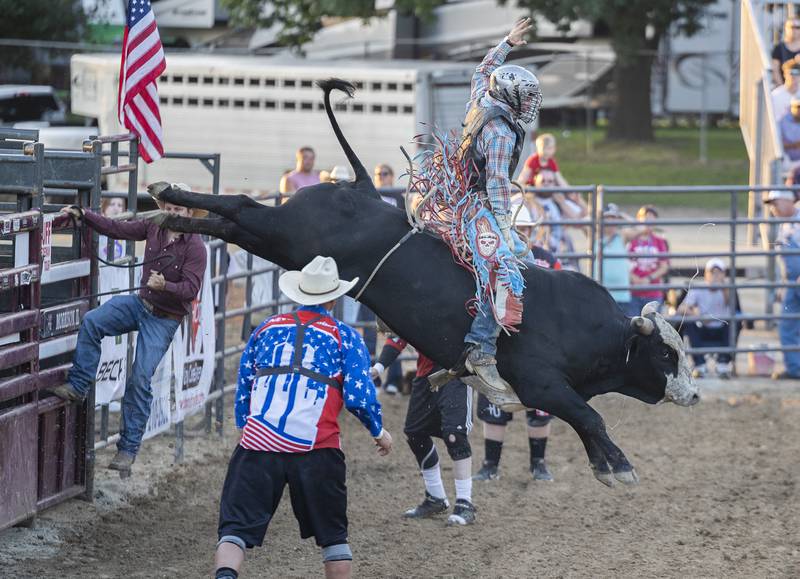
(362, 176)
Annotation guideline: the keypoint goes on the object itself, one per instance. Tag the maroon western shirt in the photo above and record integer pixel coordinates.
(183, 274)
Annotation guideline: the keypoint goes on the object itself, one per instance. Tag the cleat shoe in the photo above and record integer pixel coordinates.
(539, 470)
(463, 513)
(391, 389)
(430, 507)
(66, 392)
(488, 472)
(122, 461)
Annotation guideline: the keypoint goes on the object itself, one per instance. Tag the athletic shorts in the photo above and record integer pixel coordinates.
(491, 414)
(447, 410)
(254, 486)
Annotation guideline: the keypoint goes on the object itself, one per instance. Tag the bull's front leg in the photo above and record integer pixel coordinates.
(605, 457)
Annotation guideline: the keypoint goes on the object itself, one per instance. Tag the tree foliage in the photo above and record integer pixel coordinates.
(636, 28)
(299, 20)
(42, 19)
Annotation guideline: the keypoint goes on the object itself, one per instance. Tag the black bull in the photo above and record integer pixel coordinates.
(574, 342)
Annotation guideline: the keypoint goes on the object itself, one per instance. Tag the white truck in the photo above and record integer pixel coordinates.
(257, 111)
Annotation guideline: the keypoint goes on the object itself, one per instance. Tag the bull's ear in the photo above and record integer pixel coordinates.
(650, 308)
(642, 325)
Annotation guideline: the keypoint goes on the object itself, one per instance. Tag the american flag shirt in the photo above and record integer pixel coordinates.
(497, 139)
(292, 412)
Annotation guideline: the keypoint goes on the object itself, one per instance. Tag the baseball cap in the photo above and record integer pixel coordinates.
(715, 262)
(612, 210)
(776, 194)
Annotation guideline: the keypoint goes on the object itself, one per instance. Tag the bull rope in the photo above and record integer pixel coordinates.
(414, 221)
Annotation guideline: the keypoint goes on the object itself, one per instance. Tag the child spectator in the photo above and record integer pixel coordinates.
(616, 270)
(543, 159)
(782, 95)
(647, 270)
(713, 303)
(111, 207)
(786, 49)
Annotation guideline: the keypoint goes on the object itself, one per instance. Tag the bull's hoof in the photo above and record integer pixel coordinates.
(156, 189)
(627, 477)
(603, 474)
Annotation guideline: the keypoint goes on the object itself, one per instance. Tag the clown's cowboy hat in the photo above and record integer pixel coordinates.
(317, 283)
(156, 189)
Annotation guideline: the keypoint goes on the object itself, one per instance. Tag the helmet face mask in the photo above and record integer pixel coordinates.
(519, 89)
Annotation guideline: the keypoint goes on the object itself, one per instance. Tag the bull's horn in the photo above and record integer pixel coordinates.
(650, 308)
(643, 325)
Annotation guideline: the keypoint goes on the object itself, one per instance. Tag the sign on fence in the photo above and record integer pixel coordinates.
(195, 340)
(47, 241)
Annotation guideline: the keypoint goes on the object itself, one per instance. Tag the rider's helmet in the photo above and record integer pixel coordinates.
(519, 89)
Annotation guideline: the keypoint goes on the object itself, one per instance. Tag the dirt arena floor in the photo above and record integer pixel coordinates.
(718, 497)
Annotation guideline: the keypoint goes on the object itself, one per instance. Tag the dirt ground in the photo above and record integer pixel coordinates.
(718, 497)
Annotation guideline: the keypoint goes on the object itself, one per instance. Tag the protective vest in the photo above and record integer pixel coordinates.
(297, 363)
(477, 118)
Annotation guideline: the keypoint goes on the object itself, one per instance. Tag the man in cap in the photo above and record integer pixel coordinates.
(783, 206)
(790, 130)
(173, 267)
(713, 303)
(782, 95)
(503, 97)
(296, 372)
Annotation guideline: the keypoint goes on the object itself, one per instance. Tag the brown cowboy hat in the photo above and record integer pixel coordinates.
(155, 190)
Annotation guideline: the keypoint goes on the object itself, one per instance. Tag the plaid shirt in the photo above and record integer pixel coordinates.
(497, 139)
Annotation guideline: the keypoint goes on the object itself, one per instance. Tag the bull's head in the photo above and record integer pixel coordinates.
(657, 368)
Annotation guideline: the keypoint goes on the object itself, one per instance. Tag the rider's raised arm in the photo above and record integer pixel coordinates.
(494, 58)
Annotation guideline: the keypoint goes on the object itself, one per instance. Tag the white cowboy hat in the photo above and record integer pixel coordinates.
(317, 283)
(340, 173)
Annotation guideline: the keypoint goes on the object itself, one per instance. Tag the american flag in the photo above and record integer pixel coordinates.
(142, 63)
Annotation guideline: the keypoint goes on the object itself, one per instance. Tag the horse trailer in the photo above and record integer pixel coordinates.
(256, 111)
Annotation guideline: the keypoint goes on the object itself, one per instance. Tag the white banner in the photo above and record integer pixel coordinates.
(194, 344)
(111, 372)
(161, 384)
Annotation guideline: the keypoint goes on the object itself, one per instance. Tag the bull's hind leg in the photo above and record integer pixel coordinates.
(605, 458)
(229, 206)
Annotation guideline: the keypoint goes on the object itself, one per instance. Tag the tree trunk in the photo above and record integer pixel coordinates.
(631, 116)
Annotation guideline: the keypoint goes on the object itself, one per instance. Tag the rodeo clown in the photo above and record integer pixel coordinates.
(502, 99)
(445, 413)
(297, 371)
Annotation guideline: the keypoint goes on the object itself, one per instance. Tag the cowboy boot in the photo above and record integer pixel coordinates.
(506, 401)
(485, 367)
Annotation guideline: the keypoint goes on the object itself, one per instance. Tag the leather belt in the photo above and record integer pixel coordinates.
(159, 313)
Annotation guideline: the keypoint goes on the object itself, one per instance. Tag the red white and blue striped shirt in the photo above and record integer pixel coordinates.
(292, 412)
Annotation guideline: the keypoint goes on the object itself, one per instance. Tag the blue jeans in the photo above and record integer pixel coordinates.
(789, 331)
(705, 337)
(484, 330)
(120, 315)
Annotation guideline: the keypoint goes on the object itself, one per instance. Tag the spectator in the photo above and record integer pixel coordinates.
(790, 130)
(783, 207)
(556, 207)
(713, 303)
(543, 159)
(647, 270)
(324, 176)
(340, 173)
(782, 95)
(785, 50)
(303, 174)
(383, 179)
(111, 207)
(616, 270)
